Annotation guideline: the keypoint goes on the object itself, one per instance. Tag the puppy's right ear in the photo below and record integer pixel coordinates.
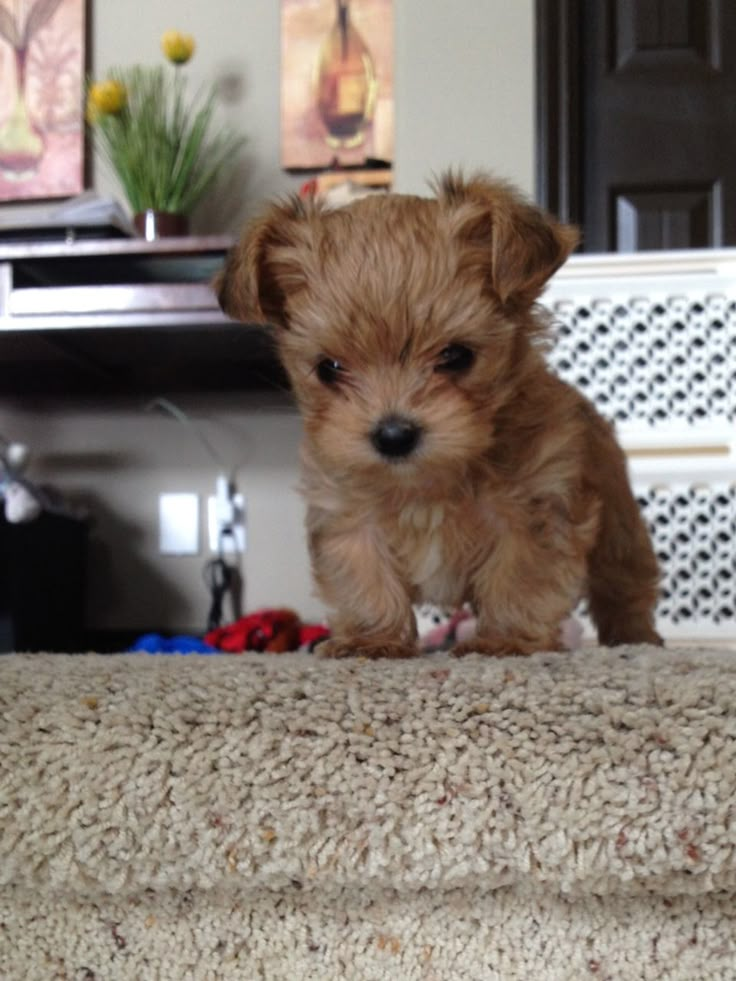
(266, 267)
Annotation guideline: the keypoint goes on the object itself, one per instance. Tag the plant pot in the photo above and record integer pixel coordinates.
(151, 224)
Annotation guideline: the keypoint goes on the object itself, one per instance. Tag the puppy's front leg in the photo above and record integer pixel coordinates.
(357, 576)
(522, 595)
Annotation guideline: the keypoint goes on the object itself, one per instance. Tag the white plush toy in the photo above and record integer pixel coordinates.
(439, 627)
(20, 502)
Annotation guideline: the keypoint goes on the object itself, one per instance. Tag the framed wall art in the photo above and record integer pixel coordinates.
(42, 63)
(337, 107)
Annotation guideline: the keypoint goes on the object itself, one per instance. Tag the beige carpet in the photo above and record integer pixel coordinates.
(556, 817)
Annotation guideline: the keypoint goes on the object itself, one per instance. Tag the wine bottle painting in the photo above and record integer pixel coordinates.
(337, 84)
(345, 82)
(41, 81)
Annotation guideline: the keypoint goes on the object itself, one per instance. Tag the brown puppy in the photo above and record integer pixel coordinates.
(442, 460)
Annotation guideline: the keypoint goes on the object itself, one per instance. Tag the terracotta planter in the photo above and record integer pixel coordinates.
(151, 224)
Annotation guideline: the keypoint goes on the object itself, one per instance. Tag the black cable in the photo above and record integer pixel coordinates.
(218, 577)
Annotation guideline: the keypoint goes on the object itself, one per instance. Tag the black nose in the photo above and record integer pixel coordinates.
(395, 436)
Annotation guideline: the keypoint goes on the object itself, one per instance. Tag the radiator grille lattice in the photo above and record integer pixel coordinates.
(650, 359)
(662, 361)
(693, 529)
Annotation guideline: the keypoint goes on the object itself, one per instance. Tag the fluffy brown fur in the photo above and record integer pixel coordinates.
(442, 460)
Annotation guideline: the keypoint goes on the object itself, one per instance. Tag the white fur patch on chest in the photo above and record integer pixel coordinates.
(423, 518)
(420, 537)
(430, 563)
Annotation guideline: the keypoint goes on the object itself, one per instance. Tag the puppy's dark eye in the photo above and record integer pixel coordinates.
(329, 370)
(454, 359)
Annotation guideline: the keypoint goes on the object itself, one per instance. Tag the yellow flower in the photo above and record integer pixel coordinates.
(106, 98)
(177, 47)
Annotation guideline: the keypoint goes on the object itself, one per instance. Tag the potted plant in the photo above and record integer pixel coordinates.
(158, 142)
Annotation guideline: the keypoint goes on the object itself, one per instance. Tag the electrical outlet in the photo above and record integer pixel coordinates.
(234, 541)
(178, 524)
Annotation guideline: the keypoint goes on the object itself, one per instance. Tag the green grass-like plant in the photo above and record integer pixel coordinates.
(157, 141)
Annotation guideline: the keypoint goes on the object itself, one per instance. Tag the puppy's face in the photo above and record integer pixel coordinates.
(404, 323)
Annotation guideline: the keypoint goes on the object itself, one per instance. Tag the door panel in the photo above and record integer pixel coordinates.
(682, 32)
(642, 115)
(666, 218)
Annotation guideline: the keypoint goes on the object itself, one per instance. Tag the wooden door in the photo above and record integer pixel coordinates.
(637, 121)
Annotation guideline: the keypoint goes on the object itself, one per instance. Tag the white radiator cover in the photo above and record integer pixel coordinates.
(650, 338)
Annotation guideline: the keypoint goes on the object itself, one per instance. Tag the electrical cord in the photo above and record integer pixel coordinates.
(218, 577)
(166, 405)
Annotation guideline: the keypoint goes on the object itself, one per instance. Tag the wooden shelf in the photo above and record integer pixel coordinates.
(110, 283)
(121, 314)
(62, 249)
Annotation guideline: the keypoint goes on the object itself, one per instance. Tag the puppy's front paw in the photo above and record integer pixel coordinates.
(347, 647)
(504, 647)
(487, 648)
(629, 632)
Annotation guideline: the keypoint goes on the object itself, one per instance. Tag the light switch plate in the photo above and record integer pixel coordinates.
(178, 524)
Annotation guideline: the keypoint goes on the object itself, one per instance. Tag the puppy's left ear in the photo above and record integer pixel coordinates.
(518, 245)
(266, 266)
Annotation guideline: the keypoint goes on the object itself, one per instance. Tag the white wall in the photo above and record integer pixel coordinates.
(115, 458)
(464, 89)
(464, 96)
